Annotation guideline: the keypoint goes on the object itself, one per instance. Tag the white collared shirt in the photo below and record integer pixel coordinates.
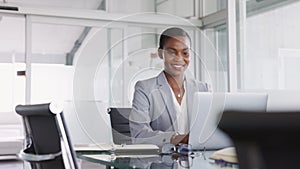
(181, 112)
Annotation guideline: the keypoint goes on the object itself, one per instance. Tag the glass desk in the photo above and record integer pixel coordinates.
(152, 161)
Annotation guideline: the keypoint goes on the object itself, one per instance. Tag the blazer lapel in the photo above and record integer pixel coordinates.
(167, 97)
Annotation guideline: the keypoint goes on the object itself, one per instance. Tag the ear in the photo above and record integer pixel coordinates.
(160, 53)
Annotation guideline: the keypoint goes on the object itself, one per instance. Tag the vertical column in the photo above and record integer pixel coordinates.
(124, 57)
(199, 75)
(109, 66)
(232, 57)
(28, 56)
(241, 41)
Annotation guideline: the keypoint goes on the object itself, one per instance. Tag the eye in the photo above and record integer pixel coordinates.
(186, 54)
(171, 53)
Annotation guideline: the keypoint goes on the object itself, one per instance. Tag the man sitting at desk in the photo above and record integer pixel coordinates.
(162, 104)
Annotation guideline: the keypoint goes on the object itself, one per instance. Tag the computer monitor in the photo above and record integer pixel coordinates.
(207, 111)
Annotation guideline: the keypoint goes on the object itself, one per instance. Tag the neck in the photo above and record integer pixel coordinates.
(176, 82)
(177, 86)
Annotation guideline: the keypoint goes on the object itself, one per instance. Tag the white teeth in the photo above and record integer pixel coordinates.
(178, 66)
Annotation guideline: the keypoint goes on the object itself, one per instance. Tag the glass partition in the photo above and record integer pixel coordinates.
(12, 86)
(12, 58)
(212, 6)
(91, 64)
(49, 61)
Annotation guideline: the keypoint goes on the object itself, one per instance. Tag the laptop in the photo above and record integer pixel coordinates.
(207, 111)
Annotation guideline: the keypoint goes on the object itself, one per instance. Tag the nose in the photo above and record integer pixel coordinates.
(179, 56)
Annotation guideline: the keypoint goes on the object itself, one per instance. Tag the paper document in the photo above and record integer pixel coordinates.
(227, 155)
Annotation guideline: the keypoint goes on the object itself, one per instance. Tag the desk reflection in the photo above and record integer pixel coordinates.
(164, 162)
(152, 161)
(174, 161)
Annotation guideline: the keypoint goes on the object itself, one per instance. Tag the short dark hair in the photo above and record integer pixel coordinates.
(171, 33)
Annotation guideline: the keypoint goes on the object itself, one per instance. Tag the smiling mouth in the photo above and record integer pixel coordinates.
(178, 67)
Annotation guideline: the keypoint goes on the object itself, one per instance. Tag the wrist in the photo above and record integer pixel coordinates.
(173, 137)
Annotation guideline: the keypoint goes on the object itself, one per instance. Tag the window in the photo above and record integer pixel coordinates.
(270, 51)
(215, 61)
(212, 6)
(214, 45)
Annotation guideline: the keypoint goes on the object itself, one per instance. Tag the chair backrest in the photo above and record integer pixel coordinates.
(45, 127)
(119, 118)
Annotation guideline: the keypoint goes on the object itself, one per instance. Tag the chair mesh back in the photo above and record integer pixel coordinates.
(119, 118)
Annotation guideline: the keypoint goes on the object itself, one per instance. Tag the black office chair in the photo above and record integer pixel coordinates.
(50, 146)
(119, 118)
(264, 139)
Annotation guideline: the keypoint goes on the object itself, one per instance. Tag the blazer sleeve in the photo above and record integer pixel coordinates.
(140, 119)
(203, 86)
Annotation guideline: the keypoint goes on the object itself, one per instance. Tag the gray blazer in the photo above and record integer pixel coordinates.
(153, 115)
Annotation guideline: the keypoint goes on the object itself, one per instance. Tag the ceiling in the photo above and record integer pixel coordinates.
(61, 39)
(80, 4)
(50, 40)
(53, 40)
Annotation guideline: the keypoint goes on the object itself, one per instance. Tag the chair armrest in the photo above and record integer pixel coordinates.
(36, 157)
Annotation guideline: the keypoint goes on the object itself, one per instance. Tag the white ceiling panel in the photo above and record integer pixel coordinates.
(80, 4)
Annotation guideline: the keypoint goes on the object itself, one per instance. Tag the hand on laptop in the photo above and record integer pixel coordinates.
(179, 138)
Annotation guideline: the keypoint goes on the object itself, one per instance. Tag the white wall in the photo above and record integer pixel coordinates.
(51, 83)
(12, 92)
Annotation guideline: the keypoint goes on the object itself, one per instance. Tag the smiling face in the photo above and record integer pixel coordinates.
(176, 55)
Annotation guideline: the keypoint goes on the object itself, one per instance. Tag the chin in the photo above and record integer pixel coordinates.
(177, 74)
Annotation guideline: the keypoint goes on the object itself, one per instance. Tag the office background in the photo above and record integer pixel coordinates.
(89, 54)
